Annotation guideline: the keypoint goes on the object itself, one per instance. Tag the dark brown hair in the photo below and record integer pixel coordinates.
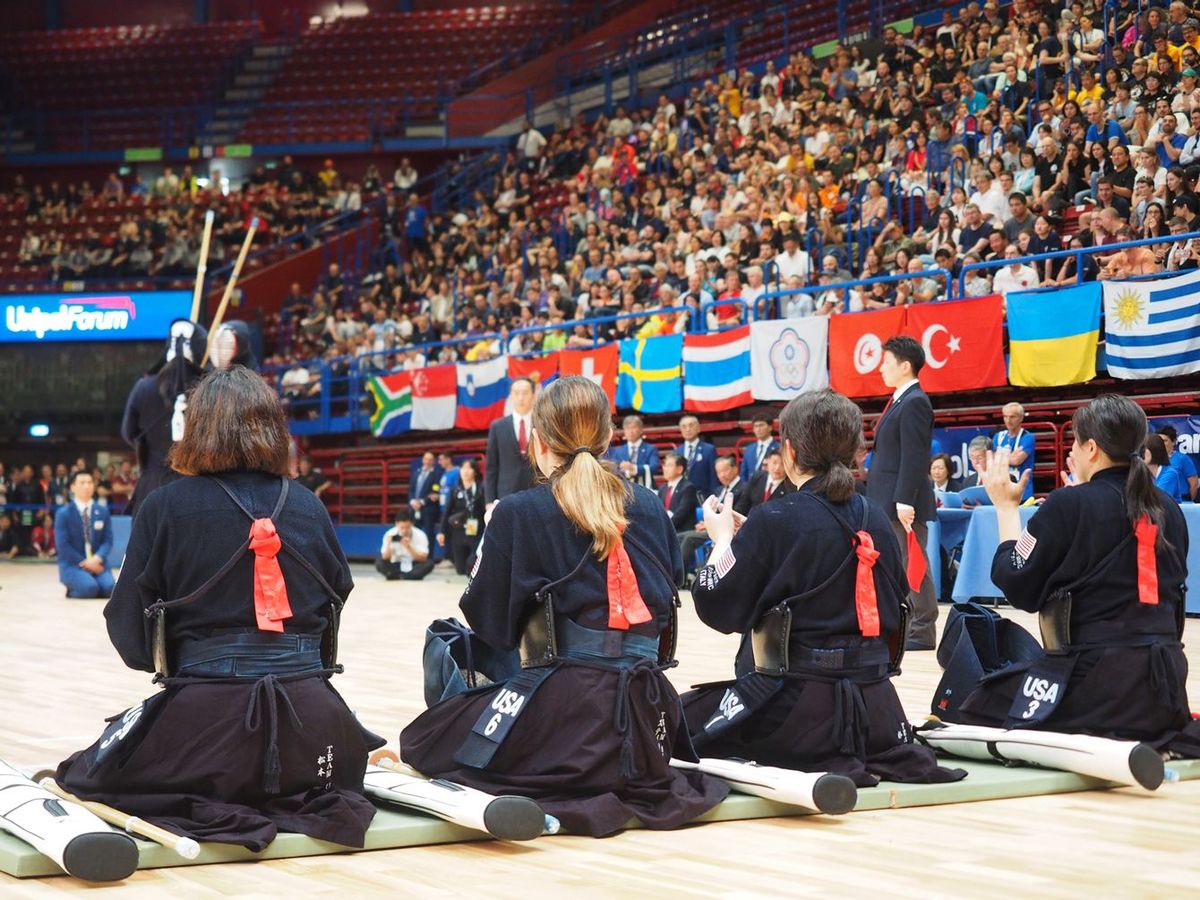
(233, 421)
(1118, 426)
(824, 430)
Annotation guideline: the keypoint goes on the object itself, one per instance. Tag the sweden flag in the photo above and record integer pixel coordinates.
(649, 379)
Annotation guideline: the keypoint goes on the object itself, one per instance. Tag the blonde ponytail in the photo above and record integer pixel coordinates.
(571, 416)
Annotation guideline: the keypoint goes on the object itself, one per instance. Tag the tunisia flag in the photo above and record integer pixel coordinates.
(963, 341)
(856, 350)
(600, 365)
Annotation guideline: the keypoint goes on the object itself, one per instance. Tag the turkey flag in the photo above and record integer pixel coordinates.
(963, 342)
(600, 365)
(856, 350)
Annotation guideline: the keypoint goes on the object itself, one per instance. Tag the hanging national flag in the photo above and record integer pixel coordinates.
(788, 357)
(601, 365)
(856, 350)
(393, 403)
(434, 390)
(482, 391)
(650, 374)
(1053, 335)
(963, 342)
(716, 370)
(1152, 328)
(541, 369)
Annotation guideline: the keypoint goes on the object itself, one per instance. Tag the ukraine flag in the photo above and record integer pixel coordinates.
(1053, 335)
(649, 379)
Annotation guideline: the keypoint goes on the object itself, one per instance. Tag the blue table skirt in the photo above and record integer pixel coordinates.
(982, 537)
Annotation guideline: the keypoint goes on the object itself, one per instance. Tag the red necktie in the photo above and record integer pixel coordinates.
(667, 496)
(522, 437)
(767, 492)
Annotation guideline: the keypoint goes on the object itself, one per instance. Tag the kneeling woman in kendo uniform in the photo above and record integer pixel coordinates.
(815, 582)
(231, 589)
(578, 573)
(1103, 564)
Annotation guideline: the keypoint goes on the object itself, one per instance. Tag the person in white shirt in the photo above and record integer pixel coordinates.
(990, 199)
(793, 260)
(405, 551)
(1015, 276)
(405, 176)
(531, 142)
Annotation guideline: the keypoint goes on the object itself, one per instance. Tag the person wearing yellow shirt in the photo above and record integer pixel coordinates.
(1089, 89)
(730, 97)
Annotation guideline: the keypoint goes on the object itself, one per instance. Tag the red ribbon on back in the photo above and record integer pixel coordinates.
(1146, 533)
(625, 604)
(915, 567)
(865, 601)
(271, 605)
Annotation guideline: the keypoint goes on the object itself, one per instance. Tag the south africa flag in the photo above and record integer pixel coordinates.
(393, 404)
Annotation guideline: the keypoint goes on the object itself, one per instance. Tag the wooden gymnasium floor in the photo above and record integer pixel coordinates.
(63, 677)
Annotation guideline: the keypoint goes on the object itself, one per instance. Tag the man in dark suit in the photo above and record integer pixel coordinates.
(899, 476)
(768, 483)
(83, 535)
(424, 489)
(977, 452)
(507, 469)
(678, 495)
(637, 460)
(756, 454)
(701, 457)
(732, 489)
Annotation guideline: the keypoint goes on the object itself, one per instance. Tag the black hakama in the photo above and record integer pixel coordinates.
(593, 744)
(217, 758)
(848, 721)
(1126, 667)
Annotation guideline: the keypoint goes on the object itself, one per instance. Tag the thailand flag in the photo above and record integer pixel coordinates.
(482, 391)
(716, 370)
(433, 391)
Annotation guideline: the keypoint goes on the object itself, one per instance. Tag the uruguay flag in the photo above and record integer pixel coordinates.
(482, 390)
(1152, 328)
(716, 370)
(650, 369)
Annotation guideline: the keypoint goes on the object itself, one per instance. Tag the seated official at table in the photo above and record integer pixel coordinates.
(83, 532)
(1166, 476)
(939, 473)
(977, 452)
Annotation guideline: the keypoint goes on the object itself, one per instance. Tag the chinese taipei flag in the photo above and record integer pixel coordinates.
(788, 357)
(963, 342)
(433, 398)
(482, 391)
(716, 370)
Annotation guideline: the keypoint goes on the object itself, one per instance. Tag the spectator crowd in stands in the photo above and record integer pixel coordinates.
(29, 496)
(130, 230)
(1003, 132)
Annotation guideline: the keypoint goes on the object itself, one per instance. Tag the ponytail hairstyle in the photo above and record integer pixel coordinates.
(571, 417)
(824, 430)
(1118, 426)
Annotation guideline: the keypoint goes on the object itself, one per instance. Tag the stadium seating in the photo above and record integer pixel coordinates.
(353, 77)
(125, 77)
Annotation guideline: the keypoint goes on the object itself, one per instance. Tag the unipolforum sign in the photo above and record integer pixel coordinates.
(143, 316)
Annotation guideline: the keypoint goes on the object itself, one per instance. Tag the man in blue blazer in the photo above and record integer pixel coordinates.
(701, 457)
(637, 459)
(83, 534)
(756, 453)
